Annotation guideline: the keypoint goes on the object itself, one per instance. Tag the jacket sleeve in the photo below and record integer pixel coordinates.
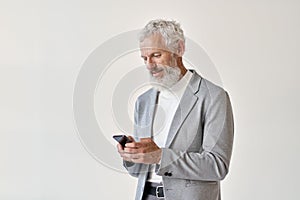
(211, 163)
(135, 169)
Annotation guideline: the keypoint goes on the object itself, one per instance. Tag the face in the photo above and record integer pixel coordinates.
(160, 62)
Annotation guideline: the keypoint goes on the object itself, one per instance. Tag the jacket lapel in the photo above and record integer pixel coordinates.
(186, 104)
(150, 107)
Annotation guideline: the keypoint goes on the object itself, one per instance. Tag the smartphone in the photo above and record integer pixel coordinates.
(122, 139)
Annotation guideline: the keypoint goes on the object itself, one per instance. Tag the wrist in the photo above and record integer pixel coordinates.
(159, 153)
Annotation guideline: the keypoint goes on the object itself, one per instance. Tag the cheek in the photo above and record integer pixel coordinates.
(166, 61)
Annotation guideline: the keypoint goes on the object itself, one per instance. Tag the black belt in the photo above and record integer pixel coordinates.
(154, 189)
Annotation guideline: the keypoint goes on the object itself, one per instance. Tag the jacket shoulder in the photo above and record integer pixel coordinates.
(209, 89)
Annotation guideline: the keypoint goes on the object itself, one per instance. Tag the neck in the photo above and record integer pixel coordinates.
(181, 66)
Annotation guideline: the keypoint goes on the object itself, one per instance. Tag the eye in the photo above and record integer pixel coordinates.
(157, 55)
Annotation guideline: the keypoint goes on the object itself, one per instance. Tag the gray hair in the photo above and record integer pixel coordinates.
(169, 30)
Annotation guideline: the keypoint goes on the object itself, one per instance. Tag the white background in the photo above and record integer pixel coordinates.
(254, 45)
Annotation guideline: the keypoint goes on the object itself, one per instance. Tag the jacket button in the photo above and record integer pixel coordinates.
(168, 174)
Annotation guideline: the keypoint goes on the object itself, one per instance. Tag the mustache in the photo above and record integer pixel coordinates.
(157, 69)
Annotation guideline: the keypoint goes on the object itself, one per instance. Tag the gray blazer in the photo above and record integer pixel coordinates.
(198, 148)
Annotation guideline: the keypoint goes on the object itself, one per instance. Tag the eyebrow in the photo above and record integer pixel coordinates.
(157, 52)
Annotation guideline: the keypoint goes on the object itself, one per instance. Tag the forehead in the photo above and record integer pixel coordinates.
(153, 43)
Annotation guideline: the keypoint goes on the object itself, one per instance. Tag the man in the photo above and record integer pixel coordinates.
(183, 131)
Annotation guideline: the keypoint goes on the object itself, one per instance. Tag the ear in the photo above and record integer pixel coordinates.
(181, 48)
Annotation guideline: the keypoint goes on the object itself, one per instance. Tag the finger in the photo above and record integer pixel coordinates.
(138, 158)
(132, 150)
(132, 145)
(131, 138)
(130, 157)
(146, 140)
(135, 156)
(120, 148)
(126, 158)
(140, 144)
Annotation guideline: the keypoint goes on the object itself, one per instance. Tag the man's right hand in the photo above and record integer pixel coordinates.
(145, 151)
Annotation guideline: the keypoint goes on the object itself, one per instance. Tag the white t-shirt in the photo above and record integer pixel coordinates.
(168, 101)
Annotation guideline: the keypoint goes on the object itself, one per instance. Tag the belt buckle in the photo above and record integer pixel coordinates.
(157, 192)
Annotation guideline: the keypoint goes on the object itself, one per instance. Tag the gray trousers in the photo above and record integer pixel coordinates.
(151, 197)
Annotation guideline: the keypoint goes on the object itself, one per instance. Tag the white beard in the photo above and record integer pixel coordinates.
(171, 75)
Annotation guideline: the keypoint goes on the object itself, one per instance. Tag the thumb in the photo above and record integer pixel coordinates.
(131, 138)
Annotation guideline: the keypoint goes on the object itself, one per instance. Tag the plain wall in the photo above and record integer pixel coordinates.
(253, 44)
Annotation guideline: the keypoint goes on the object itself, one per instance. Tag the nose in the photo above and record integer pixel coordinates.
(150, 64)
